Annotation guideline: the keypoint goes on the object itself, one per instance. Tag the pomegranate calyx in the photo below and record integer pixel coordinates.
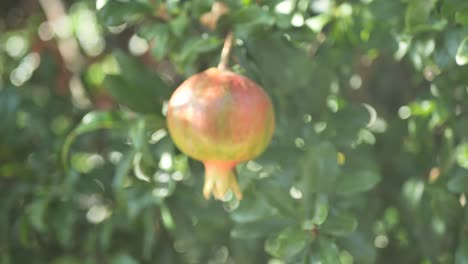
(220, 177)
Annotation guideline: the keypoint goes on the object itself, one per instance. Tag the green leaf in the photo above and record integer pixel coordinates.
(320, 209)
(105, 236)
(339, 224)
(461, 255)
(252, 209)
(462, 155)
(288, 243)
(68, 260)
(258, 229)
(417, 16)
(329, 253)
(196, 46)
(62, 221)
(462, 52)
(246, 20)
(9, 103)
(123, 93)
(179, 24)
(25, 232)
(361, 247)
(278, 198)
(445, 205)
(95, 120)
(320, 168)
(116, 13)
(458, 182)
(137, 134)
(357, 181)
(166, 216)
(123, 259)
(92, 121)
(122, 170)
(413, 190)
(37, 213)
(149, 233)
(137, 87)
(268, 51)
(461, 16)
(347, 123)
(450, 7)
(318, 22)
(158, 34)
(138, 201)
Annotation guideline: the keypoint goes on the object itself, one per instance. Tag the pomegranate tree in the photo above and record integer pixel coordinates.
(221, 119)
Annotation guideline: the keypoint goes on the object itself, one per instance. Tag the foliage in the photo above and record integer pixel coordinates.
(369, 162)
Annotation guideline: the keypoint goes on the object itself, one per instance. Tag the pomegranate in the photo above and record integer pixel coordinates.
(222, 119)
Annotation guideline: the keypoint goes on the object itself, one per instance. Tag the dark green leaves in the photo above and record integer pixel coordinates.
(137, 87)
(270, 211)
(453, 8)
(257, 229)
(122, 170)
(278, 198)
(37, 212)
(115, 13)
(289, 242)
(278, 62)
(123, 259)
(9, 102)
(458, 181)
(339, 224)
(69, 260)
(461, 255)
(179, 24)
(246, 20)
(321, 208)
(91, 122)
(159, 36)
(320, 168)
(417, 17)
(329, 253)
(252, 210)
(462, 52)
(357, 181)
(368, 163)
(361, 247)
(446, 206)
(461, 16)
(192, 49)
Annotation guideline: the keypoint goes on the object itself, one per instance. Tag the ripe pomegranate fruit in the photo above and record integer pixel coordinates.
(222, 119)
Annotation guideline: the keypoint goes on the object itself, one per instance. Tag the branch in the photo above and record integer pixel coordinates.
(68, 46)
(69, 50)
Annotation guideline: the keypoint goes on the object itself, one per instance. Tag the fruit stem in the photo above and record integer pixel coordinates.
(224, 60)
(220, 177)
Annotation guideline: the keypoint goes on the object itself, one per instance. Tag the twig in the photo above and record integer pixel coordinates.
(74, 62)
(224, 60)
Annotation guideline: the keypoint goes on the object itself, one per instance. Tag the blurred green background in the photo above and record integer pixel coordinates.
(368, 164)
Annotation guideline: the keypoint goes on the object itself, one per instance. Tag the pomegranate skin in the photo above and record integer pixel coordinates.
(220, 118)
